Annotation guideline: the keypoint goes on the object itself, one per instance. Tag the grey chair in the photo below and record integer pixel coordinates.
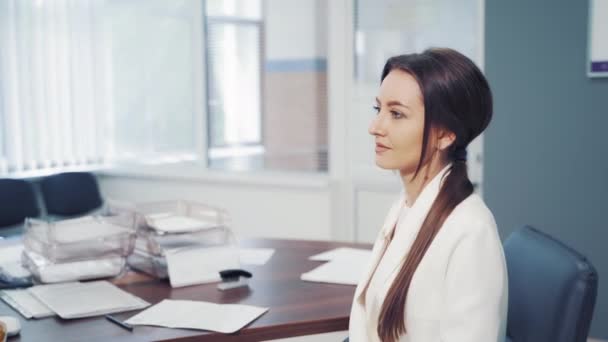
(18, 201)
(70, 194)
(552, 289)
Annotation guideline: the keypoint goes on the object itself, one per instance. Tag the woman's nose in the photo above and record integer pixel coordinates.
(376, 127)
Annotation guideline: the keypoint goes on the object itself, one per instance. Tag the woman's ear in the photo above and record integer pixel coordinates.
(445, 139)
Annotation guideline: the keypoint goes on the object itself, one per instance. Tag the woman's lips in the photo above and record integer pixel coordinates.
(381, 148)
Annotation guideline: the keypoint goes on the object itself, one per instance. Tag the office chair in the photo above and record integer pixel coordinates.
(18, 201)
(70, 193)
(552, 289)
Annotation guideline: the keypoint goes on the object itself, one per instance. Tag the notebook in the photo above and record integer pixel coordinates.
(76, 300)
(26, 304)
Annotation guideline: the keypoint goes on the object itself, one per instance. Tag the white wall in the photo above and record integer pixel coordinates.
(293, 31)
(273, 206)
(262, 210)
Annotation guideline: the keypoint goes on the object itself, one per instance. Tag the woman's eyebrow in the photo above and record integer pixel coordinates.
(393, 103)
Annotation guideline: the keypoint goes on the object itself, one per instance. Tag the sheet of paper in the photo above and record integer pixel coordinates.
(76, 300)
(199, 265)
(338, 271)
(15, 270)
(10, 261)
(177, 224)
(255, 256)
(343, 252)
(224, 318)
(27, 305)
(11, 253)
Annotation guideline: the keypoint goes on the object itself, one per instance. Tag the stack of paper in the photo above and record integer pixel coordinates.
(345, 266)
(224, 318)
(76, 300)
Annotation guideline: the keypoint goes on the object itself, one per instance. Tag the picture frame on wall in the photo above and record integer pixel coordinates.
(597, 63)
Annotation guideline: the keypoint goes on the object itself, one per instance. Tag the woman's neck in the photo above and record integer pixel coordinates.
(414, 186)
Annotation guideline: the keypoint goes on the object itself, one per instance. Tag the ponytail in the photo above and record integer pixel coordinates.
(455, 188)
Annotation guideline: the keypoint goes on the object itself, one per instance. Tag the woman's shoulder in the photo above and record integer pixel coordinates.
(472, 216)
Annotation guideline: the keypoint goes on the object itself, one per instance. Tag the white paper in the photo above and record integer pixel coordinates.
(76, 300)
(199, 265)
(255, 256)
(27, 305)
(14, 269)
(177, 224)
(10, 261)
(224, 318)
(354, 254)
(10, 253)
(338, 271)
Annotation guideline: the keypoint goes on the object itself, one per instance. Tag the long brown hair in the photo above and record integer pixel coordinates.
(457, 98)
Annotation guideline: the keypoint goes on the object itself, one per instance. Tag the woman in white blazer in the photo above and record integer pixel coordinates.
(438, 271)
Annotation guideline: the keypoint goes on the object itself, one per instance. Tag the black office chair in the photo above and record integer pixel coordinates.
(552, 289)
(70, 194)
(17, 201)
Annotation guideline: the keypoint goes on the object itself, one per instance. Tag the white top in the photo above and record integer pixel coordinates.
(373, 304)
(459, 290)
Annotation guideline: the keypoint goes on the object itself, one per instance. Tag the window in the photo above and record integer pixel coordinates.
(234, 85)
(384, 28)
(153, 79)
(267, 96)
(92, 82)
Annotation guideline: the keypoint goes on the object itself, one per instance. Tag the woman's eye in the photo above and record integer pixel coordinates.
(376, 109)
(396, 115)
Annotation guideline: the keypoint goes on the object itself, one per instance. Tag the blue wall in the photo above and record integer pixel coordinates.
(546, 151)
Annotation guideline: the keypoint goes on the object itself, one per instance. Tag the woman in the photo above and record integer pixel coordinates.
(437, 271)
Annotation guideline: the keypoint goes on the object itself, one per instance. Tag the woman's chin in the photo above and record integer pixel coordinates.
(383, 165)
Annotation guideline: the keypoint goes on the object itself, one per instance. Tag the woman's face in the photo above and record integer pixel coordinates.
(399, 125)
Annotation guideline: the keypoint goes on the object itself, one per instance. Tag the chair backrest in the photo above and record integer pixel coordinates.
(70, 193)
(17, 201)
(552, 289)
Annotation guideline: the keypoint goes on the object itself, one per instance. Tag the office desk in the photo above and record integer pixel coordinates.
(296, 307)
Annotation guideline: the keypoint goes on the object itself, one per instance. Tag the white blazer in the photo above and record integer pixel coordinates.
(458, 292)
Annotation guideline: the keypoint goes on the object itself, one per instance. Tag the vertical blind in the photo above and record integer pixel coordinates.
(86, 82)
(54, 90)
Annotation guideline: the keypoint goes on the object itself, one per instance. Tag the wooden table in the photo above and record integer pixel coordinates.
(296, 307)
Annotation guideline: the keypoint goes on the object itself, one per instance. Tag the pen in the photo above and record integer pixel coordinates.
(119, 322)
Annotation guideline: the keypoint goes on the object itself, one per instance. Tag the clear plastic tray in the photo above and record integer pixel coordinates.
(108, 235)
(157, 244)
(161, 217)
(151, 264)
(46, 271)
(176, 224)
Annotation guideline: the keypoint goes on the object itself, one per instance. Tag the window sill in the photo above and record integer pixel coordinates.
(197, 173)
